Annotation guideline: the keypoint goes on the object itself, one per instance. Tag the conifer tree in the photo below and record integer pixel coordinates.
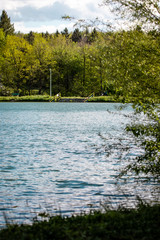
(76, 36)
(30, 37)
(65, 32)
(5, 24)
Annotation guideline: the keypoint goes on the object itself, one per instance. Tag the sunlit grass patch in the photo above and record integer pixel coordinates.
(34, 98)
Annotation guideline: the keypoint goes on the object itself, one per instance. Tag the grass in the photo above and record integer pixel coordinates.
(122, 224)
(105, 99)
(47, 98)
(31, 98)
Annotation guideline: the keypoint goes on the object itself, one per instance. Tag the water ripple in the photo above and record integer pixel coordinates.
(53, 157)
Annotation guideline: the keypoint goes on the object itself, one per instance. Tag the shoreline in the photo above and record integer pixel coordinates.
(98, 99)
(46, 98)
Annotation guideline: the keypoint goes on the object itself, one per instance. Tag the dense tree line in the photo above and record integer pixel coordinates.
(82, 62)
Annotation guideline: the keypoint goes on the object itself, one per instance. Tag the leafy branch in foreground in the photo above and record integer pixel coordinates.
(145, 11)
(147, 133)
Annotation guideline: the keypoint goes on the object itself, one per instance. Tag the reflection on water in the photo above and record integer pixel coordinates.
(53, 158)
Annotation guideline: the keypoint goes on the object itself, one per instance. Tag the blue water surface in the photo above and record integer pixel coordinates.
(53, 157)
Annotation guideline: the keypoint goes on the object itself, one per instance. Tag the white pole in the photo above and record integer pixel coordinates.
(50, 82)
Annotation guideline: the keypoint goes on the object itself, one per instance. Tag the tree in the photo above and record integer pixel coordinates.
(2, 45)
(65, 55)
(146, 11)
(93, 35)
(133, 63)
(65, 32)
(57, 33)
(15, 64)
(42, 56)
(136, 66)
(147, 136)
(5, 24)
(30, 37)
(76, 36)
(2, 40)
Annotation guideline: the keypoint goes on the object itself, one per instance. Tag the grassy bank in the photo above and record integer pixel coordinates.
(130, 224)
(32, 98)
(47, 98)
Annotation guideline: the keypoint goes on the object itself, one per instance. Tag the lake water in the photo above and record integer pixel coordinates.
(54, 157)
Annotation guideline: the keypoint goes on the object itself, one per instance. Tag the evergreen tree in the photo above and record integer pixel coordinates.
(5, 24)
(65, 32)
(93, 35)
(30, 37)
(76, 36)
(57, 33)
(47, 35)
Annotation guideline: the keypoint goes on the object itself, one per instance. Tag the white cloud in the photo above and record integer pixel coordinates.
(35, 15)
(49, 27)
(14, 4)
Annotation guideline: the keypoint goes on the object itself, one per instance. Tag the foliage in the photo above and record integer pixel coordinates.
(15, 66)
(76, 36)
(65, 32)
(123, 63)
(141, 223)
(42, 62)
(5, 24)
(147, 11)
(147, 136)
(133, 63)
(2, 38)
(30, 37)
(2, 43)
(135, 66)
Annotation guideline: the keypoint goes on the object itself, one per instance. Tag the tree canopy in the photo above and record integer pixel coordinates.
(136, 67)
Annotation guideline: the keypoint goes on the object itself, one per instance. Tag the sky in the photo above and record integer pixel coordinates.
(46, 15)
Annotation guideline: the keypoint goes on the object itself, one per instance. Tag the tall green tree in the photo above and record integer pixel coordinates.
(2, 45)
(30, 37)
(65, 32)
(133, 63)
(5, 24)
(76, 36)
(42, 56)
(65, 55)
(136, 66)
(15, 64)
(2, 41)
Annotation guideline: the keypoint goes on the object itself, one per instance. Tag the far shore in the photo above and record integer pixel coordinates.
(47, 98)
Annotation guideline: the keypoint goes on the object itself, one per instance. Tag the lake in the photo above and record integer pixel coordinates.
(54, 157)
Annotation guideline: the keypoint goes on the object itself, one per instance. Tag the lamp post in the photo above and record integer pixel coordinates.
(50, 82)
